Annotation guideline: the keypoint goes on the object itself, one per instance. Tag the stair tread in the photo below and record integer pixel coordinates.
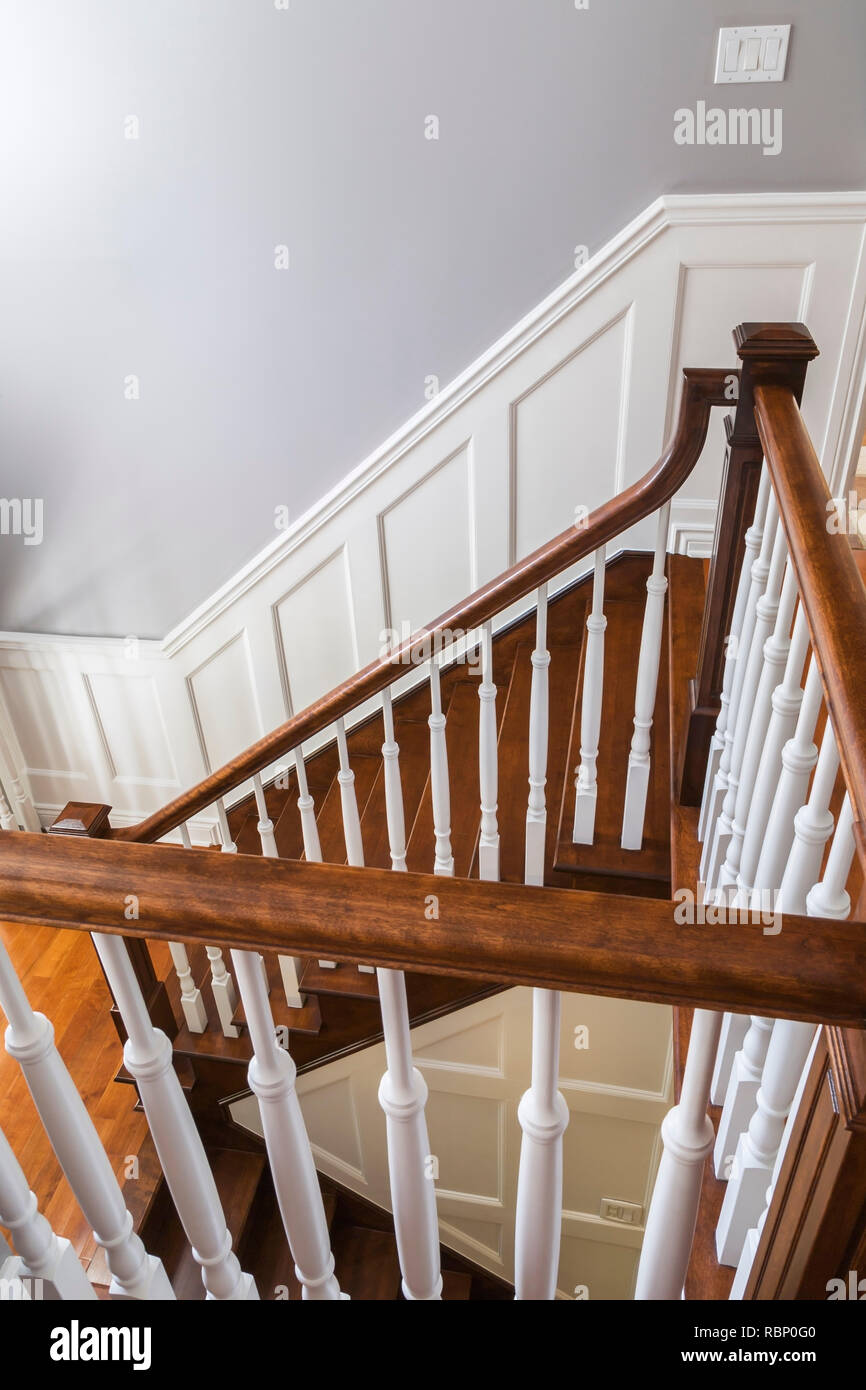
(605, 855)
(342, 979)
(305, 1020)
(514, 754)
(367, 1265)
(461, 736)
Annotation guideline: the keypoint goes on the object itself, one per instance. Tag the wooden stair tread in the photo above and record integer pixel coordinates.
(305, 1020)
(366, 1262)
(514, 754)
(605, 855)
(342, 979)
(461, 737)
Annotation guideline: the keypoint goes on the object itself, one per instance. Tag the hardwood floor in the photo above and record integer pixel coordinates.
(61, 974)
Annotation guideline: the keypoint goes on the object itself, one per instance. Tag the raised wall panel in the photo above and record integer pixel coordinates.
(223, 694)
(606, 1271)
(466, 1137)
(477, 1048)
(485, 1234)
(316, 632)
(566, 439)
(38, 708)
(130, 718)
(604, 1156)
(750, 293)
(332, 1122)
(427, 545)
(612, 1057)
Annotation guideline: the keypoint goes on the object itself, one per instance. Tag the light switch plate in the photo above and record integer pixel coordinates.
(752, 53)
(628, 1213)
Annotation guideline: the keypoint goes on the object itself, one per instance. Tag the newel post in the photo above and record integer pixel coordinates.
(777, 353)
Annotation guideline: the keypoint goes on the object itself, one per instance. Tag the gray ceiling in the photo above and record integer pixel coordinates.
(305, 127)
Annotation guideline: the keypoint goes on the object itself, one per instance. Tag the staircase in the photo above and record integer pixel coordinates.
(555, 812)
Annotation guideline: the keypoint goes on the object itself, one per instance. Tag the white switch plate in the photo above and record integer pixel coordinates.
(628, 1213)
(752, 53)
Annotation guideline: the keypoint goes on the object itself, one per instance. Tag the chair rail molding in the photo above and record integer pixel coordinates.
(568, 407)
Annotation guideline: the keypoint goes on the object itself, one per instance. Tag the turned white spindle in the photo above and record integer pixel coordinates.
(73, 1135)
(536, 811)
(148, 1056)
(221, 983)
(290, 966)
(41, 1253)
(351, 816)
(191, 1002)
(799, 757)
(734, 1029)
(271, 1077)
(775, 655)
(394, 813)
(711, 800)
(637, 782)
(586, 781)
(403, 1090)
(766, 610)
(488, 763)
(687, 1135)
(758, 1149)
(786, 702)
(439, 783)
(543, 1117)
(741, 1093)
(757, 584)
(307, 809)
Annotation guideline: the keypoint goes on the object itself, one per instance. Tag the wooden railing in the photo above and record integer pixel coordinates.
(763, 829)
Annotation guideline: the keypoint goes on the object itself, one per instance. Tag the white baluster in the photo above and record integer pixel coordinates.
(394, 813)
(222, 984)
(439, 782)
(813, 826)
(687, 1134)
(307, 808)
(758, 1149)
(73, 1135)
(775, 655)
(766, 611)
(403, 1090)
(786, 703)
(637, 782)
(734, 1029)
(265, 825)
(750, 1246)
(191, 1002)
(741, 1094)
(799, 757)
(543, 1117)
(586, 782)
(147, 1054)
(351, 817)
(721, 784)
(488, 764)
(271, 1077)
(290, 966)
(536, 811)
(41, 1254)
(711, 801)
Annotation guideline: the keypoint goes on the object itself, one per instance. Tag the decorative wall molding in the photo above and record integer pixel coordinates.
(568, 407)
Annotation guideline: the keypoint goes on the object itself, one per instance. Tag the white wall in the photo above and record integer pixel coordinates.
(570, 407)
(477, 1064)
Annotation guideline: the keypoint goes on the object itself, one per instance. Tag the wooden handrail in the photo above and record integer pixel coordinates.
(829, 583)
(596, 943)
(703, 387)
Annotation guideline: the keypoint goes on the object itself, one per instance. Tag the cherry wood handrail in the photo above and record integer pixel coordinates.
(595, 943)
(703, 387)
(829, 583)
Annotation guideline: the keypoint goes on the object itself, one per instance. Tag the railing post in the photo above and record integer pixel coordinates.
(41, 1254)
(769, 352)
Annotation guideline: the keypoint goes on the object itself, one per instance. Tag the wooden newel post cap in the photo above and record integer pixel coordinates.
(85, 818)
(779, 342)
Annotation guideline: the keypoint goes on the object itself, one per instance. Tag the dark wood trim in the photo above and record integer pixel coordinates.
(598, 943)
(831, 590)
(703, 388)
(769, 352)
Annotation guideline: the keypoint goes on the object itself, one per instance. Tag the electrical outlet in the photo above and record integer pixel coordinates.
(627, 1213)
